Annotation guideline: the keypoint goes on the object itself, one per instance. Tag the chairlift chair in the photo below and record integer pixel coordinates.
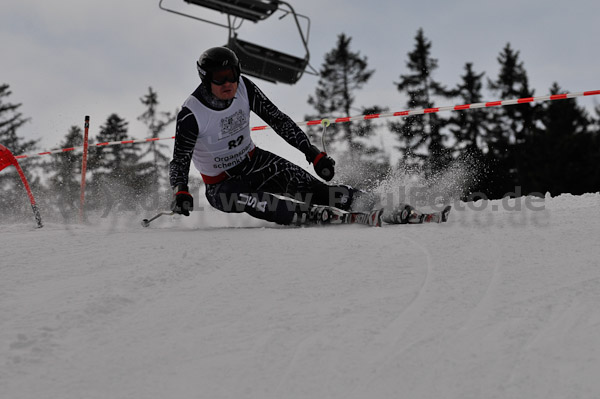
(258, 61)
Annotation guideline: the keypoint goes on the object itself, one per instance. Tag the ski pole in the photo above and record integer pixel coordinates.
(146, 222)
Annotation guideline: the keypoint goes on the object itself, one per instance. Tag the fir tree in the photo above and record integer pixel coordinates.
(596, 121)
(470, 128)
(510, 125)
(342, 73)
(119, 175)
(420, 137)
(374, 161)
(10, 121)
(110, 160)
(594, 152)
(66, 180)
(13, 200)
(562, 157)
(156, 123)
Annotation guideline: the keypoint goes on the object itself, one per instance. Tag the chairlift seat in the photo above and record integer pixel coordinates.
(267, 64)
(257, 61)
(253, 10)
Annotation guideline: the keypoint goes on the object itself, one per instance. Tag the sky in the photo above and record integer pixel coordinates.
(69, 58)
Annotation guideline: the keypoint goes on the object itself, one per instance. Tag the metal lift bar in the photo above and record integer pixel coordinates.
(253, 10)
(229, 9)
(247, 9)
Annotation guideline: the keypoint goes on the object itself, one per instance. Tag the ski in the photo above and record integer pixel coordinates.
(322, 215)
(406, 214)
(372, 218)
(326, 215)
(436, 217)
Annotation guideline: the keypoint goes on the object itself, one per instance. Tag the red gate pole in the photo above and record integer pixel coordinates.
(84, 169)
(7, 159)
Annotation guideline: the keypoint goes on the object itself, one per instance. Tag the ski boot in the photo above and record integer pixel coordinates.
(316, 215)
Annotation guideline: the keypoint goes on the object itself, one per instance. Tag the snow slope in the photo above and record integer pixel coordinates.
(500, 302)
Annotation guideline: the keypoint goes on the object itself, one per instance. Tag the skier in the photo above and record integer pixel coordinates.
(213, 131)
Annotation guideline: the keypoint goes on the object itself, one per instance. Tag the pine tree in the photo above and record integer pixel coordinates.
(118, 174)
(420, 137)
(469, 127)
(374, 161)
(342, 73)
(156, 124)
(596, 121)
(562, 157)
(13, 200)
(66, 180)
(10, 121)
(595, 149)
(511, 125)
(110, 160)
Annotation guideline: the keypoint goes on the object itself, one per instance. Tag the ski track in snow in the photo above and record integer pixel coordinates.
(500, 302)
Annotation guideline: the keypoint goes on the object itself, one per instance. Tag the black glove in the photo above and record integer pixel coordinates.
(183, 202)
(323, 163)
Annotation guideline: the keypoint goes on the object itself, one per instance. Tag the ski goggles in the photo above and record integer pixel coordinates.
(223, 76)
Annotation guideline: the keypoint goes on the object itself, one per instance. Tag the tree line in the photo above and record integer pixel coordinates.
(120, 177)
(551, 147)
(538, 148)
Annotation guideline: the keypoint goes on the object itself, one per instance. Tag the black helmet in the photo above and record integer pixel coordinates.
(215, 59)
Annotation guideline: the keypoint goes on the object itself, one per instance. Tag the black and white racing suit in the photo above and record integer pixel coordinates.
(239, 176)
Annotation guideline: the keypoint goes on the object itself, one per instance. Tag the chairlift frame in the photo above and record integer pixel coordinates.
(258, 61)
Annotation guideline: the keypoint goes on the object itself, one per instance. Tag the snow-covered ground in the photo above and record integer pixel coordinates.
(503, 301)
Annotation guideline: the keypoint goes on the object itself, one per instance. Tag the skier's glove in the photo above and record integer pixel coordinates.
(323, 163)
(183, 202)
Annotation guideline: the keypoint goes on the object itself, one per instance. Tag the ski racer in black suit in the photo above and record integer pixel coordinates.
(213, 132)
